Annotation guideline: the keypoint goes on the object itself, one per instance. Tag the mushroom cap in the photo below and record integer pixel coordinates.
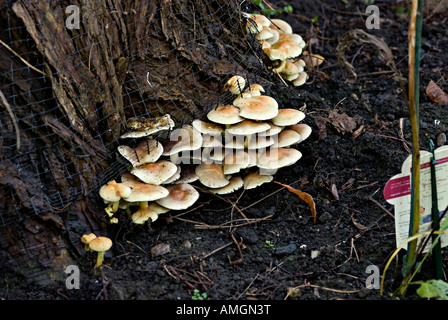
(154, 206)
(241, 102)
(211, 175)
(234, 161)
(227, 114)
(276, 158)
(247, 127)
(207, 127)
(294, 37)
(145, 192)
(254, 179)
(100, 244)
(144, 214)
(275, 37)
(185, 138)
(288, 137)
(282, 50)
(254, 90)
(291, 68)
(273, 130)
(235, 84)
(256, 109)
(256, 22)
(113, 191)
(187, 174)
(260, 142)
(142, 126)
(155, 173)
(148, 150)
(235, 183)
(303, 129)
(281, 25)
(175, 176)
(86, 238)
(288, 117)
(264, 34)
(301, 79)
(180, 197)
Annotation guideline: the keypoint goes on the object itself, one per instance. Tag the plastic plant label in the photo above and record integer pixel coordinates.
(398, 193)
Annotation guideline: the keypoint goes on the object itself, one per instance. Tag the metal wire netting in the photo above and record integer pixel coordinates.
(67, 92)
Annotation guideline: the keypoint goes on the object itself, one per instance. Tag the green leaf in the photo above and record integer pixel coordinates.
(433, 289)
(288, 8)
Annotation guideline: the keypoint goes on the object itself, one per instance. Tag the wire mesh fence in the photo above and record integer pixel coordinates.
(73, 72)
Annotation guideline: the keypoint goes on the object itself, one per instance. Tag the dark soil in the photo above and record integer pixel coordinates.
(345, 175)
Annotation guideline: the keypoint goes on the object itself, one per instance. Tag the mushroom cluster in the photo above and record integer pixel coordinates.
(153, 183)
(283, 47)
(248, 140)
(241, 145)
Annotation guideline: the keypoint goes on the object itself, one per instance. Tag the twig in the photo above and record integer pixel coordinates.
(23, 60)
(13, 118)
(379, 205)
(247, 288)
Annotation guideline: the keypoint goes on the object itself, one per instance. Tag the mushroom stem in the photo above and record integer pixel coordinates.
(143, 204)
(99, 259)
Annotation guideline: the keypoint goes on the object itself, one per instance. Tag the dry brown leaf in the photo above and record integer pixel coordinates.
(358, 225)
(342, 122)
(334, 191)
(436, 94)
(304, 196)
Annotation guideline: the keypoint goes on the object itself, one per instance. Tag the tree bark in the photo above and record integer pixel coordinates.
(128, 58)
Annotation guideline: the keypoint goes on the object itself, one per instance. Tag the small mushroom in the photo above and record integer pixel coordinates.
(143, 192)
(111, 193)
(303, 129)
(235, 183)
(234, 161)
(287, 138)
(288, 117)
(211, 175)
(256, 109)
(144, 214)
(301, 79)
(207, 127)
(247, 127)
(155, 173)
(86, 238)
(100, 245)
(276, 158)
(256, 22)
(255, 179)
(281, 25)
(181, 196)
(235, 85)
(146, 151)
(283, 50)
(227, 115)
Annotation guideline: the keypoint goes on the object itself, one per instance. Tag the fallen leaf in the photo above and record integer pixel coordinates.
(304, 196)
(342, 122)
(334, 191)
(321, 124)
(358, 225)
(436, 94)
